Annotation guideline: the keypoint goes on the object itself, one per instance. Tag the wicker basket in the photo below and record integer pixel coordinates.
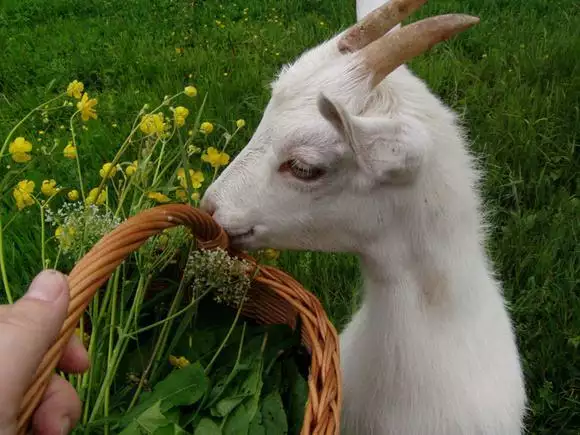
(275, 298)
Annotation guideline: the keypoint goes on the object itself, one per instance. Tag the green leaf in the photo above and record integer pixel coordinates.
(207, 426)
(147, 422)
(172, 415)
(223, 384)
(170, 429)
(248, 386)
(297, 397)
(256, 425)
(181, 387)
(253, 383)
(225, 406)
(273, 415)
(241, 420)
(238, 422)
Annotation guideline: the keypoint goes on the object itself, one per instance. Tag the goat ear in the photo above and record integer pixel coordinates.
(335, 114)
(387, 150)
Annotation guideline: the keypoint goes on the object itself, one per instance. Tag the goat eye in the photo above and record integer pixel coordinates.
(302, 170)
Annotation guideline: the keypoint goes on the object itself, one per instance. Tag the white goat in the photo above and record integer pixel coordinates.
(354, 154)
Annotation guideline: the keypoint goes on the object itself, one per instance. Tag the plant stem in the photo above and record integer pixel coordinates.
(119, 347)
(127, 141)
(87, 385)
(28, 115)
(56, 260)
(171, 317)
(165, 329)
(159, 163)
(42, 238)
(8, 223)
(156, 349)
(227, 337)
(110, 349)
(79, 173)
(7, 291)
(229, 377)
(79, 378)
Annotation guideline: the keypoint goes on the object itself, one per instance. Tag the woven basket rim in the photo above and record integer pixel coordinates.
(322, 413)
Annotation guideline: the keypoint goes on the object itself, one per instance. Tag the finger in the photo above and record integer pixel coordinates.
(74, 358)
(27, 329)
(59, 410)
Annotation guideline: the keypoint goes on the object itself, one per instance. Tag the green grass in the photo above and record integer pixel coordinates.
(515, 79)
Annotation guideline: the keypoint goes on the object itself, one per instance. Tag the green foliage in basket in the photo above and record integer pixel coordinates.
(170, 352)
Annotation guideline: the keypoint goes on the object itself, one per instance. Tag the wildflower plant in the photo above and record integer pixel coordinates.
(216, 270)
(170, 154)
(78, 224)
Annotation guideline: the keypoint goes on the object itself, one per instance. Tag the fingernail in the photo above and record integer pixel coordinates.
(65, 426)
(47, 286)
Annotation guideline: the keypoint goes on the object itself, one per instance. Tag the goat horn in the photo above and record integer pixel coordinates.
(390, 51)
(377, 23)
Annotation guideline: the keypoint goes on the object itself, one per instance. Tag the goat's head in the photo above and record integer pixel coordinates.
(325, 157)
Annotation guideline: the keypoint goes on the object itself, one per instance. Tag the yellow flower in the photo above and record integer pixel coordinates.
(179, 362)
(181, 111)
(271, 254)
(92, 197)
(206, 127)
(215, 157)
(182, 195)
(23, 194)
(196, 178)
(108, 170)
(75, 89)
(19, 150)
(153, 124)
(158, 196)
(86, 337)
(49, 188)
(190, 91)
(65, 235)
(21, 157)
(73, 195)
(70, 151)
(86, 107)
(180, 114)
(240, 123)
(131, 169)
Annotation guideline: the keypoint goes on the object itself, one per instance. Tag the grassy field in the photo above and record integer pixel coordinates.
(515, 79)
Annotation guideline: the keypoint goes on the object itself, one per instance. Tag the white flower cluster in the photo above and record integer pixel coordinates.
(80, 226)
(215, 270)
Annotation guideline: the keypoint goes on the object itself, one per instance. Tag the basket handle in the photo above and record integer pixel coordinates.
(95, 268)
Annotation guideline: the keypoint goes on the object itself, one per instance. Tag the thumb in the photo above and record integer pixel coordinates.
(27, 330)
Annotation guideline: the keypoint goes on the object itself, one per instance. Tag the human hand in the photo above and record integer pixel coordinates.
(27, 330)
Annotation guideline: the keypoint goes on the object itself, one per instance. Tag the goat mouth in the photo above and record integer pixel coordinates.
(239, 238)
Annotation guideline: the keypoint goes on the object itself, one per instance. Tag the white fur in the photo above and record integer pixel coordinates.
(431, 350)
